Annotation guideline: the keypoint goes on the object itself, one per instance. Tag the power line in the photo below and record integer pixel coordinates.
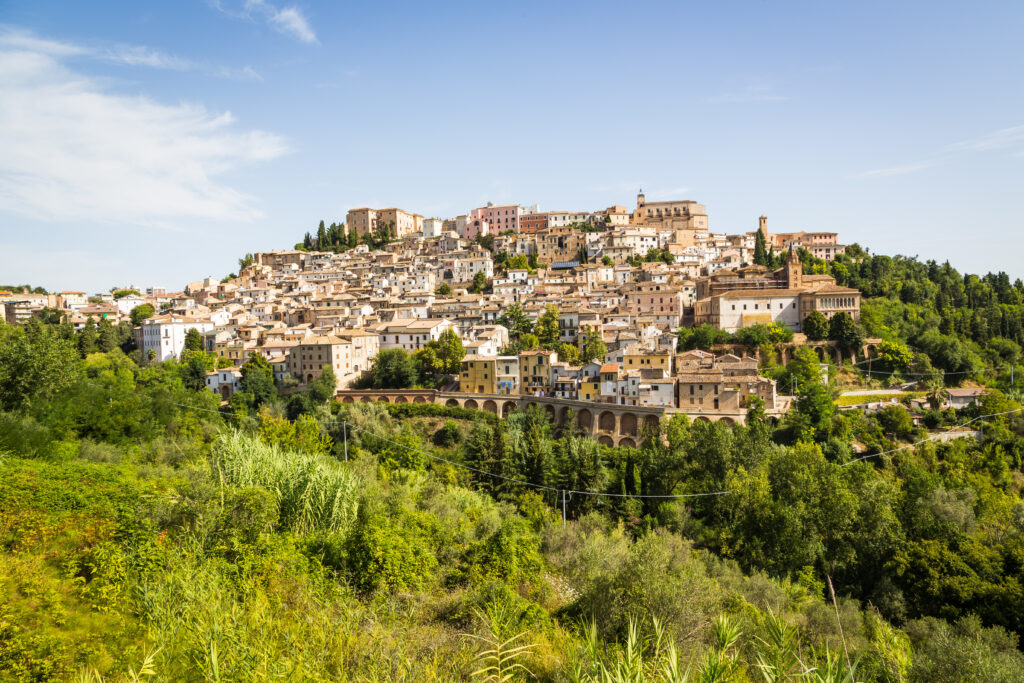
(931, 437)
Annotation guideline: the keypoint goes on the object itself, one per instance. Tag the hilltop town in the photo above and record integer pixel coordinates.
(568, 308)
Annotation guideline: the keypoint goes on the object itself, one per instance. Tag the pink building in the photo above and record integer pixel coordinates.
(500, 218)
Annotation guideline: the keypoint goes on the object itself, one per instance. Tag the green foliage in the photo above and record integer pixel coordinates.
(444, 290)
(594, 348)
(392, 369)
(816, 326)
(479, 282)
(515, 320)
(142, 312)
(547, 329)
(36, 365)
(442, 356)
(313, 493)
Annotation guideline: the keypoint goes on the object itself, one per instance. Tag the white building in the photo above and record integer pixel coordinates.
(410, 334)
(432, 227)
(165, 334)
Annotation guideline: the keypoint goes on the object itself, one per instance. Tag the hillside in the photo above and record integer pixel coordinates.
(147, 529)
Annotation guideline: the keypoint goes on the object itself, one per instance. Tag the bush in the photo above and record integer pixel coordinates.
(403, 410)
(389, 552)
(448, 435)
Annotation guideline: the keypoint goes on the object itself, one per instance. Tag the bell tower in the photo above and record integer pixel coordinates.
(794, 270)
(640, 199)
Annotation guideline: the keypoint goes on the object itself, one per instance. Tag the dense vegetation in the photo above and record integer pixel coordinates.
(145, 529)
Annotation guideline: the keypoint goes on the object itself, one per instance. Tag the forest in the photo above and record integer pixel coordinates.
(148, 532)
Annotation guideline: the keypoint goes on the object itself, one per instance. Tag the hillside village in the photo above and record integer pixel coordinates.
(621, 283)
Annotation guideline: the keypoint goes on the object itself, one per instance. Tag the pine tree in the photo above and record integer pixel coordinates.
(87, 338)
(107, 339)
(321, 236)
(307, 242)
(760, 251)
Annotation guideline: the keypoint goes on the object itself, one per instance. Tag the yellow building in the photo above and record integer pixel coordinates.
(401, 223)
(535, 371)
(590, 390)
(638, 359)
(479, 375)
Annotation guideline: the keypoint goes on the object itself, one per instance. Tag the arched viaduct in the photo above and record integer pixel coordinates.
(610, 424)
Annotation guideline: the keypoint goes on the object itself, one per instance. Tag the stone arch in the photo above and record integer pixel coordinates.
(820, 350)
(564, 414)
(490, 406)
(652, 422)
(401, 399)
(702, 419)
(605, 440)
(225, 391)
(727, 420)
(627, 442)
(627, 424)
(347, 399)
(383, 399)
(366, 399)
(419, 399)
(470, 403)
(309, 377)
(507, 409)
(550, 410)
(585, 420)
(606, 421)
(452, 403)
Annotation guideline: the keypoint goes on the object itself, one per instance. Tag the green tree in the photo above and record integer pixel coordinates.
(816, 326)
(814, 403)
(392, 369)
(479, 282)
(106, 340)
(607, 260)
(444, 355)
(594, 348)
(547, 330)
(87, 338)
(323, 388)
(845, 332)
(245, 261)
(141, 312)
(894, 356)
(194, 364)
(760, 249)
(569, 353)
(193, 340)
(258, 380)
(36, 365)
(321, 236)
(444, 290)
(515, 321)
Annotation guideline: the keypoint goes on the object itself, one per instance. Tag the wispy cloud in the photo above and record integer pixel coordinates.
(74, 150)
(750, 94)
(897, 170)
(288, 20)
(12, 38)
(1010, 139)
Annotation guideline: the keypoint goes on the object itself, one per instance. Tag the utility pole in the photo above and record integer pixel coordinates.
(563, 507)
(344, 431)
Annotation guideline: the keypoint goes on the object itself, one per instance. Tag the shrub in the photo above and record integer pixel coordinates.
(448, 435)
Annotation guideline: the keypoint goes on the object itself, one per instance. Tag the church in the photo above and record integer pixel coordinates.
(738, 297)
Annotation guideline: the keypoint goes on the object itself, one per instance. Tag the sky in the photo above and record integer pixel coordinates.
(155, 143)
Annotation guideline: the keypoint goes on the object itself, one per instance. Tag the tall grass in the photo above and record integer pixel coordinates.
(314, 493)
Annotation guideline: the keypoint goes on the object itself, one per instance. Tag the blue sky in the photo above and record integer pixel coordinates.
(155, 143)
